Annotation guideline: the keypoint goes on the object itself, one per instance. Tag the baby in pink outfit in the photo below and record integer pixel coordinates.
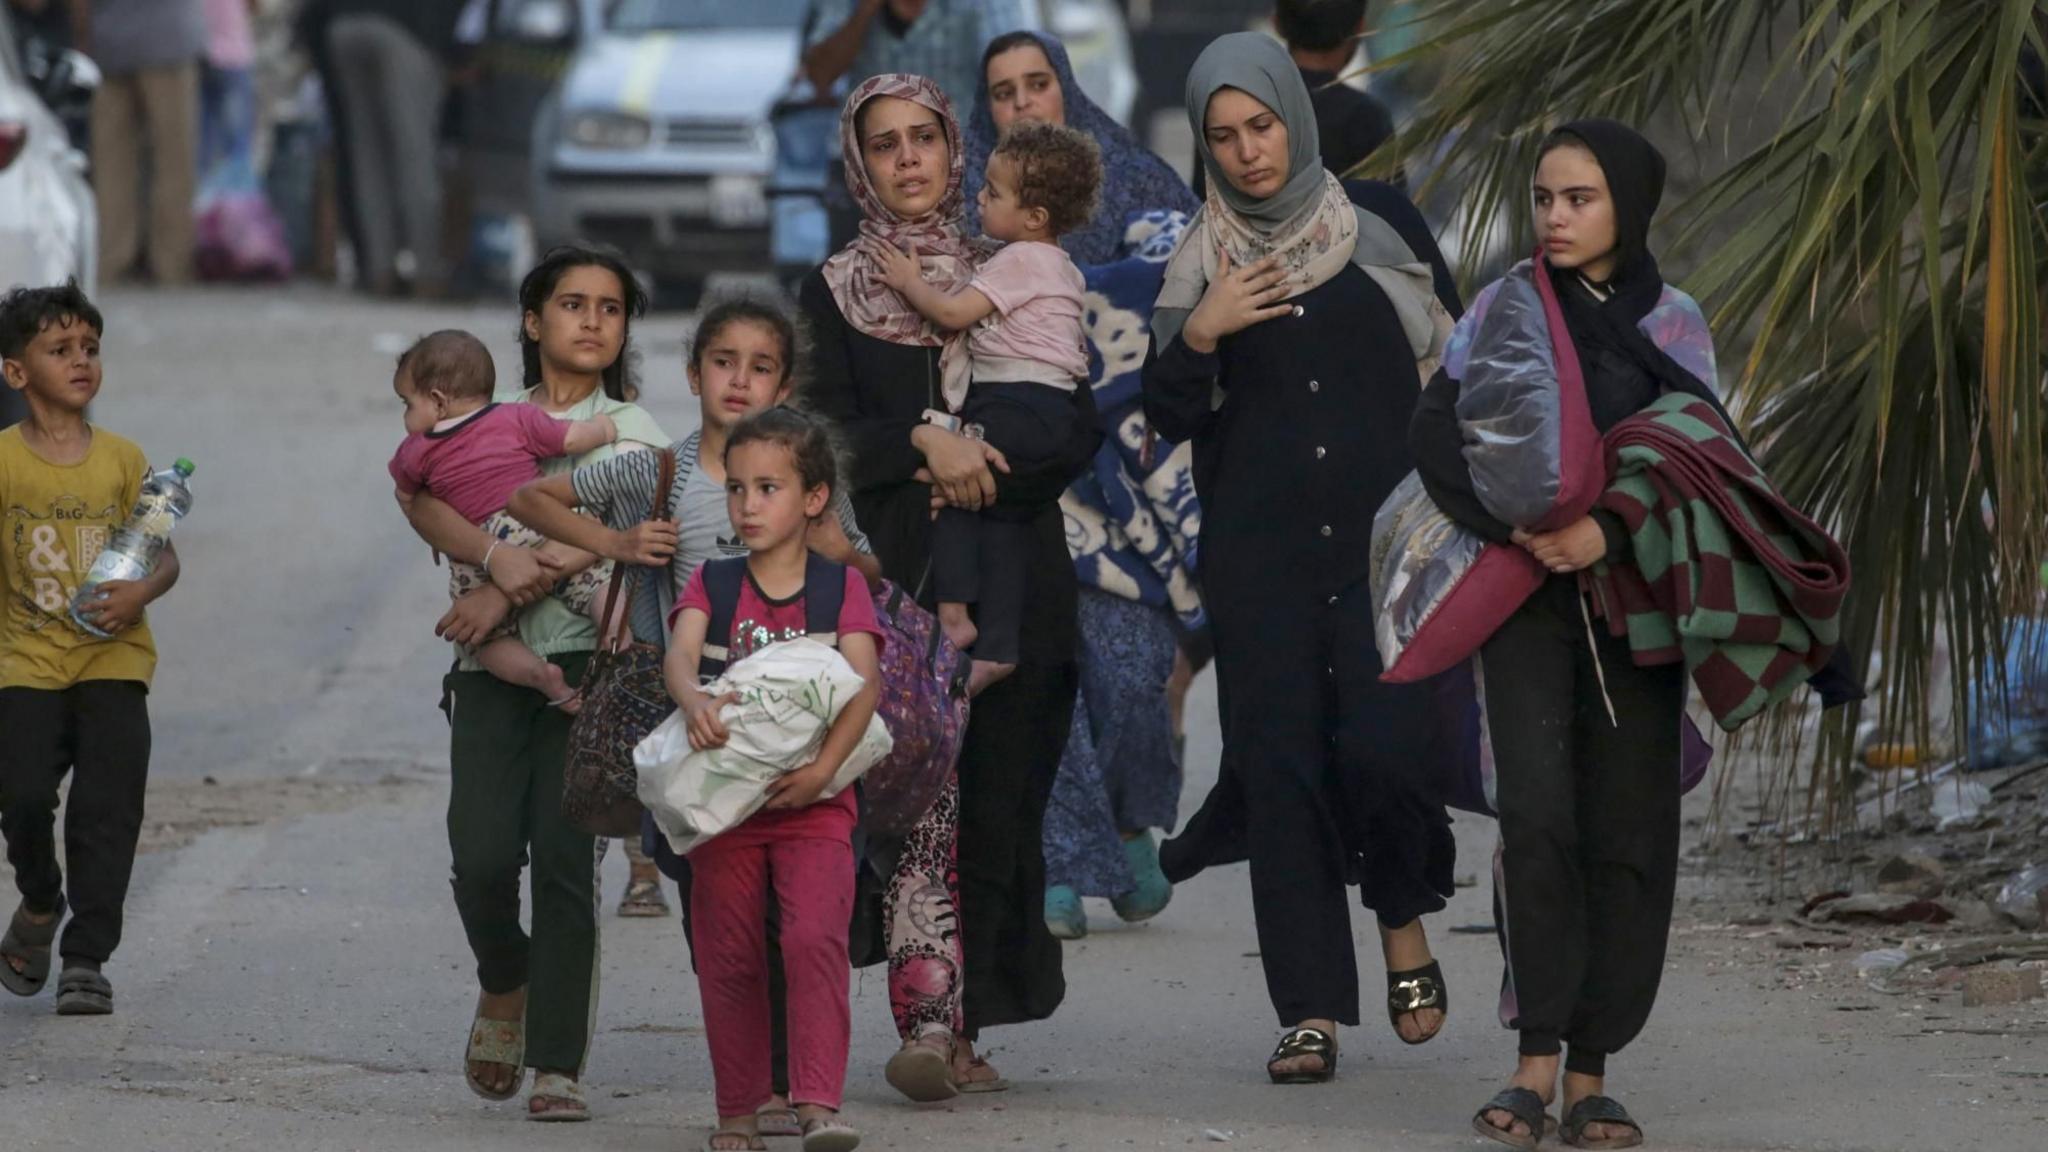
(472, 454)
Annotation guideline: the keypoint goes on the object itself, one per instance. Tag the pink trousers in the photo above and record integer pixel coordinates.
(812, 879)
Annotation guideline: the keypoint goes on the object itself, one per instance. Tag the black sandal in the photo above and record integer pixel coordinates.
(1305, 1042)
(31, 942)
(1524, 1105)
(84, 992)
(1600, 1110)
(1412, 991)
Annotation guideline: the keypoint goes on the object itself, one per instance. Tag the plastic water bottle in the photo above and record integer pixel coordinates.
(131, 554)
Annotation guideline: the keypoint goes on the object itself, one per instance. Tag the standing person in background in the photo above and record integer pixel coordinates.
(389, 62)
(856, 40)
(1131, 518)
(147, 104)
(1322, 36)
(940, 39)
(227, 96)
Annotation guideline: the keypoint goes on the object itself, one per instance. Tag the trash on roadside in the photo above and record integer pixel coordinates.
(1912, 875)
(2025, 896)
(1881, 961)
(1960, 803)
(2008, 706)
(1989, 986)
(1218, 1135)
(1882, 908)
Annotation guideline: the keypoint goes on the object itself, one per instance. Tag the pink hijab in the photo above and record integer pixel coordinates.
(947, 256)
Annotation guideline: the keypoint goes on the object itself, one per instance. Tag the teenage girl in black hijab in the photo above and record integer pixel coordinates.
(1586, 743)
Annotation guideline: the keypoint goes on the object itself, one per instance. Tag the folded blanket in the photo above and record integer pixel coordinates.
(1725, 575)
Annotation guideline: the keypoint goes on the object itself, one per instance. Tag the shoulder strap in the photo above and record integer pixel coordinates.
(722, 580)
(824, 596)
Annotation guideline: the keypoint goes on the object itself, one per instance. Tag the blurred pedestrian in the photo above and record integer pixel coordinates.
(145, 130)
(939, 39)
(856, 40)
(1322, 36)
(389, 60)
(227, 97)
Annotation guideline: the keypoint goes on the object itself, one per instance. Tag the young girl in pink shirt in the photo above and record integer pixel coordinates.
(779, 477)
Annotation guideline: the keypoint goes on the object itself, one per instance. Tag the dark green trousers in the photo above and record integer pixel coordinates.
(506, 756)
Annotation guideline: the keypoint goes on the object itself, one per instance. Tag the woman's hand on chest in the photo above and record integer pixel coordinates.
(1235, 300)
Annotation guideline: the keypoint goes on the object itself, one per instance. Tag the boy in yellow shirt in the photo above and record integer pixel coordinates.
(69, 702)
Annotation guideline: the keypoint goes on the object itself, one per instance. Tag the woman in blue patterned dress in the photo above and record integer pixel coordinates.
(1131, 520)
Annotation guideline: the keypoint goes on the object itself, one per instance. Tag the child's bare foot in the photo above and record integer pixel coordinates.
(958, 626)
(984, 673)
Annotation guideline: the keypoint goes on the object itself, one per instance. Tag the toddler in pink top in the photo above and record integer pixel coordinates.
(1028, 354)
(472, 454)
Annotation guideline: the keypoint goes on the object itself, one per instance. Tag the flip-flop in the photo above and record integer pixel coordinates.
(753, 1142)
(975, 1087)
(556, 1099)
(1600, 1110)
(495, 1042)
(1414, 991)
(1301, 1042)
(829, 1136)
(923, 1072)
(643, 898)
(84, 992)
(1523, 1104)
(31, 942)
(778, 1122)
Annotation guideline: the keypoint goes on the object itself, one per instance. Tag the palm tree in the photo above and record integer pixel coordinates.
(1868, 244)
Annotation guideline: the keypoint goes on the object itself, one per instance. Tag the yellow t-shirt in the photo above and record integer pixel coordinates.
(54, 520)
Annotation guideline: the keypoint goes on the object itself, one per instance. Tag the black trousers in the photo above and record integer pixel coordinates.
(983, 558)
(98, 732)
(1011, 756)
(1335, 770)
(1588, 823)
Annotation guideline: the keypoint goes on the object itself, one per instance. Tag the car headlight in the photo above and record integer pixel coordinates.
(609, 130)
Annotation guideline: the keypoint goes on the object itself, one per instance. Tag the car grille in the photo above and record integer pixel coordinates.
(711, 134)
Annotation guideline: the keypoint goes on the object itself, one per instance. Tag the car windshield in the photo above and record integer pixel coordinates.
(677, 15)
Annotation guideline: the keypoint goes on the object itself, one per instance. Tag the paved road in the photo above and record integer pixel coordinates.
(302, 983)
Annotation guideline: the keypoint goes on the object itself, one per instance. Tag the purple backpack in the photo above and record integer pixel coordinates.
(924, 703)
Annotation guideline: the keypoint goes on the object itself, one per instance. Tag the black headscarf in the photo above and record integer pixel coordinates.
(1625, 370)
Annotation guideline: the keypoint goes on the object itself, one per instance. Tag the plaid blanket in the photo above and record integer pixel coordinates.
(1726, 575)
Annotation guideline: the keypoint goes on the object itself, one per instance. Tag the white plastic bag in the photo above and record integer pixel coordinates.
(789, 695)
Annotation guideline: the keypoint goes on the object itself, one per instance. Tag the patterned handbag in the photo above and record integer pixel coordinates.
(624, 698)
(924, 703)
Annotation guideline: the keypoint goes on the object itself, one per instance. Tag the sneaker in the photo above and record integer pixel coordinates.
(1063, 914)
(1154, 890)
